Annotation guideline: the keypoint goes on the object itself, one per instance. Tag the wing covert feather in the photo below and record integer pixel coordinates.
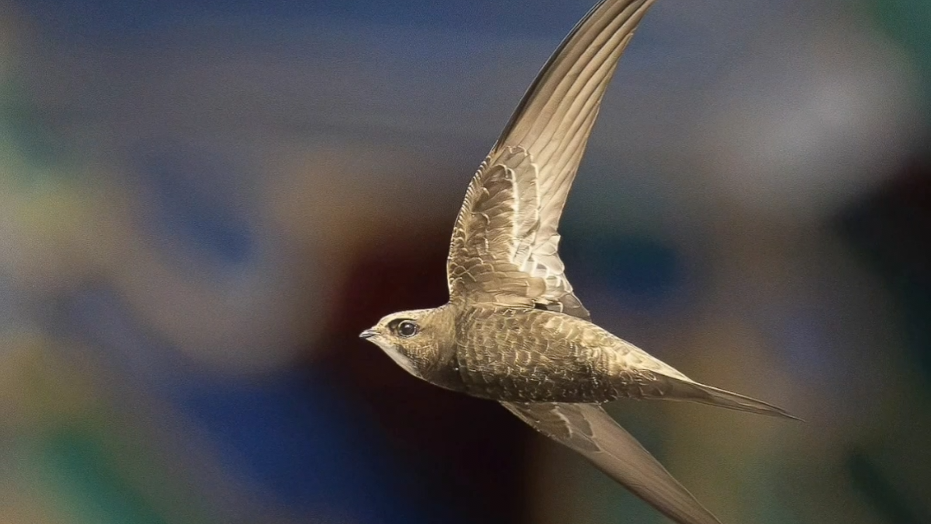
(505, 242)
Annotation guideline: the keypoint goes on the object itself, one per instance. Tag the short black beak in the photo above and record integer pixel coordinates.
(368, 333)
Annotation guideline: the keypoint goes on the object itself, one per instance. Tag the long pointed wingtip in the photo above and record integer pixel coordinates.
(790, 416)
(591, 432)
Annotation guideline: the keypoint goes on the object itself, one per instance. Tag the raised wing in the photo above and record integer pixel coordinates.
(505, 244)
(589, 430)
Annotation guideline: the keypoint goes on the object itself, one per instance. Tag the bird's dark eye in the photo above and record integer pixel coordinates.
(407, 328)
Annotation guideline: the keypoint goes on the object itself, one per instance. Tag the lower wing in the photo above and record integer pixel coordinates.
(589, 430)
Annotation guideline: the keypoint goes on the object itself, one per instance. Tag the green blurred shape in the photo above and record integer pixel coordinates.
(908, 22)
(89, 485)
(31, 154)
(79, 451)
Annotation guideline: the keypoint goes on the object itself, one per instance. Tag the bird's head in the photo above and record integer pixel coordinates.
(411, 338)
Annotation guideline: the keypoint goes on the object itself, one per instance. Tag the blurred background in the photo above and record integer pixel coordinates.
(203, 203)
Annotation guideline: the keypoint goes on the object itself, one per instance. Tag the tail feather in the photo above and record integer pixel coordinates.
(695, 392)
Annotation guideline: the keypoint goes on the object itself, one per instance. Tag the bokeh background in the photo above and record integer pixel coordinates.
(203, 203)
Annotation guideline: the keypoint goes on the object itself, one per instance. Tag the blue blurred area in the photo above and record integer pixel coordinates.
(294, 435)
(641, 271)
(291, 435)
(202, 204)
(106, 19)
(187, 208)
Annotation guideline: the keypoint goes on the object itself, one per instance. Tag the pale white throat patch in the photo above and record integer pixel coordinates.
(398, 358)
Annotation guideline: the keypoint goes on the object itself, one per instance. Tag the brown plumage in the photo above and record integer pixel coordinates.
(513, 330)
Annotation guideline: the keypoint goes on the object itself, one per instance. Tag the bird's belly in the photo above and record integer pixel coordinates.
(545, 390)
(488, 376)
(522, 386)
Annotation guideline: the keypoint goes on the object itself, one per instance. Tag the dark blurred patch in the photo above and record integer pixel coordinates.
(891, 230)
(295, 437)
(642, 271)
(879, 491)
(467, 453)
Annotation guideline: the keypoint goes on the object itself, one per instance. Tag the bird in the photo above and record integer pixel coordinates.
(513, 330)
